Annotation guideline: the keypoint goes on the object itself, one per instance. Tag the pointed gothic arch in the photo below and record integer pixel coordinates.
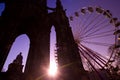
(53, 55)
(21, 44)
(36, 23)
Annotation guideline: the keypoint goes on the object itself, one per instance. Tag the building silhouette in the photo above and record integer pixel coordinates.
(14, 71)
(31, 17)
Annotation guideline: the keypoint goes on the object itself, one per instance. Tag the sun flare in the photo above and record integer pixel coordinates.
(52, 69)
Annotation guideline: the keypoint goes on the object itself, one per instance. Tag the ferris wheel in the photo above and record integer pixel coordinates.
(97, 34)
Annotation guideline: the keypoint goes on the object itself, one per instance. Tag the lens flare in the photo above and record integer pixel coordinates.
(53, 69)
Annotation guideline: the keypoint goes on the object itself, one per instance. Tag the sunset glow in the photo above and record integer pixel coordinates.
(52, 71)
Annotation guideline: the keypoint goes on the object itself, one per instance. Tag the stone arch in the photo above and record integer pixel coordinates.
(21, 44)
(53, 51)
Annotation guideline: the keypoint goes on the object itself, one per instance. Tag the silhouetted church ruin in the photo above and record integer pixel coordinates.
(31, 17)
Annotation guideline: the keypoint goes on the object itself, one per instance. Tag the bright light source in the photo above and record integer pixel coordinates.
(119, 38)
(53, 69)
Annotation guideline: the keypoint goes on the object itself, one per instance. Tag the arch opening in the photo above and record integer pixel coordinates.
(2, 7)
(21, 44)
(50, 4)
(53, 55)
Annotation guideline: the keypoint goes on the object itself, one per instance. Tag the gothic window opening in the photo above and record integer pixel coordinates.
(20, 45)
(53, 53)
(2, 7)
(51, 5)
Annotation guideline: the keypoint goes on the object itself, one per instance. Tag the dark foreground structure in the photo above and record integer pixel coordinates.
(31, 17)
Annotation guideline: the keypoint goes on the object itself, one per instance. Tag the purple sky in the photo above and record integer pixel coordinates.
(21, 43)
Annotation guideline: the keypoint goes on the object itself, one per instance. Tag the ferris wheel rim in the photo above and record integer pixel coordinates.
(99, 10)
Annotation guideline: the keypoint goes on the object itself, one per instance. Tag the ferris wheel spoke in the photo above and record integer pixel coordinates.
(83, 25)
(88, 61)
(99, 34)
(93, 68)
(101, 22)
(101, 60)
(105, 32)
(97, 43)
(97, 29)
(97, 55)
(95, 37)
(111, 55)
(90, 56)
(91, 27)
(80, 22)
(86, 26)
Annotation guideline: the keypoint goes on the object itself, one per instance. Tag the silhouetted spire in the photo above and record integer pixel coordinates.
(14, 71)
(16, 65)
(59, 5)
(18, 59)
